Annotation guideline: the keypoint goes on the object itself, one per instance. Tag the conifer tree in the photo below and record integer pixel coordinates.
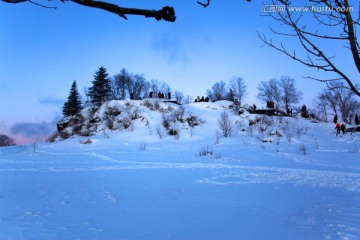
(231, 96)
(100, 91)
(304, 112)
(73, 104)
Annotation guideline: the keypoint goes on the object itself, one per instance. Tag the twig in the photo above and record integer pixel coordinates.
(204, 4)
(40, 5)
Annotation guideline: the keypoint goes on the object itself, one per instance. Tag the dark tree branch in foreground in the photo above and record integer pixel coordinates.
(166, 13)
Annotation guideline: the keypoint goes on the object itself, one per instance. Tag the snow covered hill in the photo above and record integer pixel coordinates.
(165, 172)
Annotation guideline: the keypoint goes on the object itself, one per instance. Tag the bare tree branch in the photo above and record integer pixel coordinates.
(166, 13)
(40, 5)
(204, 4)
(14, 1)
(339, 18)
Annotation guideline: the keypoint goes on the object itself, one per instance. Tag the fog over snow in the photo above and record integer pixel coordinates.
(281, 178)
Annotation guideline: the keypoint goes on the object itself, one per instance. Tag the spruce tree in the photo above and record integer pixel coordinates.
(100, 91)
(231, 96)
(73, 104)
(304, 112)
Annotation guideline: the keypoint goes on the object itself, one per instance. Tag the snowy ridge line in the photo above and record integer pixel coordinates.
(298, 177)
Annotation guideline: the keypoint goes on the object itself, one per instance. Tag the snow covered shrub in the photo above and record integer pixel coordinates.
(354, 149)
(263, 137)
(302, 149)
(217, 137)
(142, 146)
(86, 131)
(276, 133)
(87, 141)
(132, 111)
(250, 130)
(225, 124)
(254, 121)
(160, 131)
(316, 143)
(109, 123)
(126, 122)
(52, 137)
(241, 125)
(266, 120)
(288, 130)
(114, 110)
(34, 146)
(277, 139)
(64, 134)
(147, 104)
(262, 128)
(178, 114)
(156, 104)
(165, 121)
(135, 113)
(152, 104)
(205, 151)
(194, 120)
(105, 134)
(301, 130)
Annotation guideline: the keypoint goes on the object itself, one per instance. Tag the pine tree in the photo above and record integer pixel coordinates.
(100, 91)
(231, 96)
(304, 112)
(73, 104)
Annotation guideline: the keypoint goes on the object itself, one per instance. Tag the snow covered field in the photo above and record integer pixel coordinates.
(134, 185)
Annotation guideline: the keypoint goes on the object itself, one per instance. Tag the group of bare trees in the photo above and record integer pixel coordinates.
(282, 92)
(136, 86)
(337, 100)
(235, 90)
(127, 85)
(124, 85)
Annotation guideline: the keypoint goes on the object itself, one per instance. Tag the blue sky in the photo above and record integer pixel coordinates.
(44, 50)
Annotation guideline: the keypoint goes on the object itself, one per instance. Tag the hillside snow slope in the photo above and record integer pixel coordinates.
(281, 178)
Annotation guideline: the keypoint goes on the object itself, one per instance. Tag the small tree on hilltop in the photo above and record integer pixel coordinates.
(73, 104)
(100, 91)
(304, 112)
(239, 88)
(6, 141)
(218, 92)
(290, 95)
(231, 96)
(270, 91)
(225, 124)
